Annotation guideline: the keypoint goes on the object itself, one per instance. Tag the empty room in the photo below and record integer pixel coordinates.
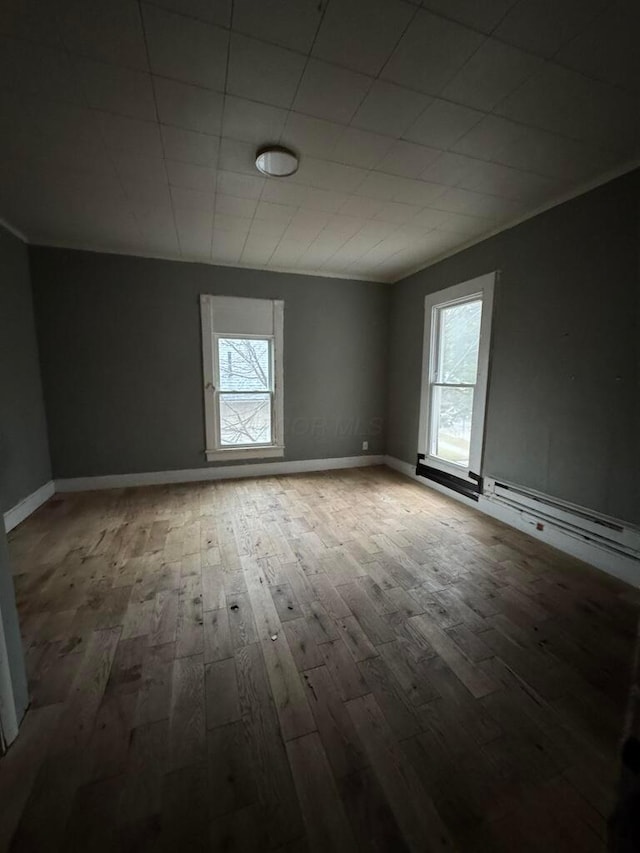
(319, 426)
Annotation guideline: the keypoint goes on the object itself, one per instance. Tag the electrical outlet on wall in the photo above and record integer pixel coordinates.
(365, 445)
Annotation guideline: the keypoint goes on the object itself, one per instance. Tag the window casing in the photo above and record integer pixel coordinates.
(243, 377)
(455, 372)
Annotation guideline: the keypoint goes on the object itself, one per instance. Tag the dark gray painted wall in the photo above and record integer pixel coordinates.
(24, 451)
(563, 404)
(11, 629)
(122, 360)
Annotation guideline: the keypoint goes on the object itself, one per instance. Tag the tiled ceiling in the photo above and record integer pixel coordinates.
(132, 127)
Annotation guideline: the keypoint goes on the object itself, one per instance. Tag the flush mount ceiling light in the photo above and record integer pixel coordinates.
(276, 162)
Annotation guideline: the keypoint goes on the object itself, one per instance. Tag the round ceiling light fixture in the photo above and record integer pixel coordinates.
(276, 162)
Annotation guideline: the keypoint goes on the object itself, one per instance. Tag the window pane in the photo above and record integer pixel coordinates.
(244, 364)
(245, 419)
(451, 424)
(458, 338)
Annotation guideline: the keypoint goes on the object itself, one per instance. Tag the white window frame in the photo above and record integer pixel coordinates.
(214, 450)
(483, 288)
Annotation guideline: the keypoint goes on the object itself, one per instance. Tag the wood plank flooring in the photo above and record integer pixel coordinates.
(335, 662)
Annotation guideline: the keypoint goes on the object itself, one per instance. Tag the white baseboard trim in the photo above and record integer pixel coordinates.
(22, 510)
(621, 566)
(220, 472)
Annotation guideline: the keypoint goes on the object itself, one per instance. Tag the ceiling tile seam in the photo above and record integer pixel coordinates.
(337, 249)
(369, 172)
(338, 212)
(587, 143)
(449, 79)
(72, 52)
(361, 229)
(78, 247)
(224, 103)
(108, 152)
(289, 110)
(374, 169)
(458, 23)
(397, 42)
(449, 150)
(155, 101)
(587, 24)
(552, 63)
(486, 37)
(364, 96)
(232, 26)
(422, 207)
(322, 230)
(377, 243)
(543, 129)
(518, 122)
(389, 259)
(492, 34)
(596, 147)
(324, 5)
(582, 189)
(366, 221)
(484, 113)
(182, 14)
(122, 66)
(230, 30)
(309, 57)
(468, 61)
(474, 241)
(502, 18)
(623, 90)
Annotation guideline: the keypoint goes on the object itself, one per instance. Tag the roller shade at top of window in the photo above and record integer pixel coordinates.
(235, 315)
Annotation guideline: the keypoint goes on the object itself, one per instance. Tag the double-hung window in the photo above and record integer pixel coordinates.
(243, 377)
(454, 377)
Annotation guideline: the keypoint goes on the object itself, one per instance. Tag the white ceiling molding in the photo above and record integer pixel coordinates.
(585, 188)
(13, 230)
(212, 263)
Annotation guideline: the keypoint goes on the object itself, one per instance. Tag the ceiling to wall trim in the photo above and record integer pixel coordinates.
(625, 169)
(600, 181)
(13, 230)
(209, 263)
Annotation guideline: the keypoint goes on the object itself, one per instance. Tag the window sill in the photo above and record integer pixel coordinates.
(244, 453)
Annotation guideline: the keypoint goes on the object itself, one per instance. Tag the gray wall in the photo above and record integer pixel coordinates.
(24, 451)
(563, 404)
(122, 361)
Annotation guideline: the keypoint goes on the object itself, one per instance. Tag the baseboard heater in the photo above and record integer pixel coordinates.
(538, 509)
(456, 484)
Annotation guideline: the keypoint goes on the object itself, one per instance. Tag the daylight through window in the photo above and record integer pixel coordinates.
(245, 390)
(457, 334)
(242, 357)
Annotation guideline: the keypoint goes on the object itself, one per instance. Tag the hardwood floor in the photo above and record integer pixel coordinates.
(333, 662)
